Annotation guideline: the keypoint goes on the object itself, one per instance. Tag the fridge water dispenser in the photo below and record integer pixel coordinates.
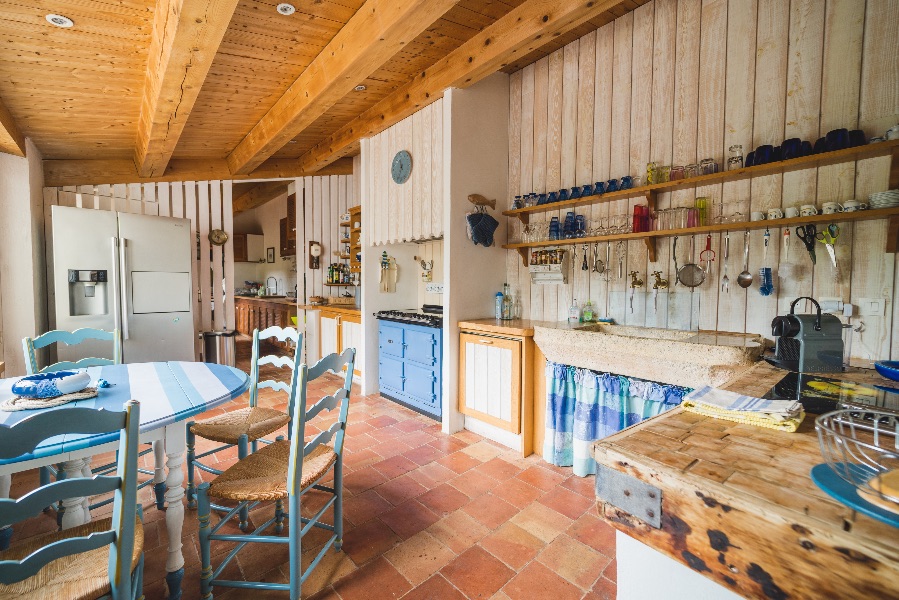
(87, 293)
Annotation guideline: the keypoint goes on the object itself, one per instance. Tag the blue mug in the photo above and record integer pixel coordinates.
(541, 200)
(587, 190)
(563, 195)
(750, 158)
(776, 154)
(599, 188)
(790, 148)
(837, 139)
(575, 193)
(857, 138)
(612, 185)
(764, 154)
(552, 197)
(627, 182)
(820, 146)
(806, 149)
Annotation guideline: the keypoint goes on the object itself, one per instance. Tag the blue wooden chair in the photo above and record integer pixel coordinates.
(73, 338)
(246, 427)
(284, 470)
(103, 558)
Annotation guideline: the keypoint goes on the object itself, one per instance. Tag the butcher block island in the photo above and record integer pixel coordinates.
(738, 506)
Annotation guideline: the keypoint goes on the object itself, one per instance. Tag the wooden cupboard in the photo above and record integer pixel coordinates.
(288, 245)
(251, 314)
(339, 331)
(249, 247)
(496, 379)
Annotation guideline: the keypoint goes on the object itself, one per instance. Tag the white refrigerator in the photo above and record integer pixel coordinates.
(130, 272)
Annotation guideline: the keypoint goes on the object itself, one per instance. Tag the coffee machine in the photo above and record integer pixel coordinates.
(808, 343)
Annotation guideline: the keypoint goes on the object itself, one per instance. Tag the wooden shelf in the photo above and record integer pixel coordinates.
(339, 284)
(355, 230)
(345, 224)
(650, 236)
(887, 148)
(345, 257)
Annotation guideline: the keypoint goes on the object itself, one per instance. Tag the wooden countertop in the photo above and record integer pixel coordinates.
(288, 301)
(338, 308)
(739, 506)
(520, 327)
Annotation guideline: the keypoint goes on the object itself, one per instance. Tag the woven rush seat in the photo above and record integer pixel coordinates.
(254, 421)
(263, 474)
(73, 577)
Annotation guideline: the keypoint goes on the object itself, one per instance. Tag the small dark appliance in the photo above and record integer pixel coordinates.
(808, 343)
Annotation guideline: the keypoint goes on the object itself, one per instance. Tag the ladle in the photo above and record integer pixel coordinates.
(744, 279)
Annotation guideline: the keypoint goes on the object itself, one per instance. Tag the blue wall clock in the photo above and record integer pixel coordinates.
(401, 167)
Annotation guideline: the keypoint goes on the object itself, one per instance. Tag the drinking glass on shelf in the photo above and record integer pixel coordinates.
(735, 161)
(708, 166)
(662, 173)
(650, 173)
(676, 173)
(702, 210)
(637, 181)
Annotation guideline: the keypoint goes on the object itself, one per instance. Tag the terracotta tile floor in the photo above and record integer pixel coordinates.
(427, 517)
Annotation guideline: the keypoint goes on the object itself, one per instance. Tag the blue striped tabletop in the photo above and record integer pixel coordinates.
(168, 392)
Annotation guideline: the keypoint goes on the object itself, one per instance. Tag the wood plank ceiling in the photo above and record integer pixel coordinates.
(77, 93)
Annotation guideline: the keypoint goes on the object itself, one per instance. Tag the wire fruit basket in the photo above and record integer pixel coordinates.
(861, 450)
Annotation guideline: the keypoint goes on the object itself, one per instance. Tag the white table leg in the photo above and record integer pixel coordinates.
(74, 514)
(86, 503)
(159, 473)
(6, 532)
(174, 516)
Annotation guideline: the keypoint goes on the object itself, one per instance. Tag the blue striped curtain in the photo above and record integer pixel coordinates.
(584, 406)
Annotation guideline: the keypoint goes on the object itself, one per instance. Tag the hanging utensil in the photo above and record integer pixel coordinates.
(807, 234)
(766, 277)
(608, 261)
(674, 254)
(707, 256)
(828, 237)
(620, 250)
(786, 242)
(584, 265)
(691, 274)
(725, 281)
(598, 266)
(744, 279)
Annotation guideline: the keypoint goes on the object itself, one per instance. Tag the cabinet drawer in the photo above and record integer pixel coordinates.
(421, 384)
(390, 340)
(391, 373)
(422, 347)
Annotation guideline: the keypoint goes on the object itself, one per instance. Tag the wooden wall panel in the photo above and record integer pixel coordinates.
(676, 81)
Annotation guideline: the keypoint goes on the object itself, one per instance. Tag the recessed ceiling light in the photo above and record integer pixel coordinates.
(60, 21)
(286, 9)
(360, 88)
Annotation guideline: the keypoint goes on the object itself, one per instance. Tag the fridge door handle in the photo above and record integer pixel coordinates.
(123, 287)
(116, 286)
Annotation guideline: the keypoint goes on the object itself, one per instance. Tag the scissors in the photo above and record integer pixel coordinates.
(828, 237)
(807, 234)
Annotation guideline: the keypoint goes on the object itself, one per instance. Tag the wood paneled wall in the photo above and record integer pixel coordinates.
(320, 202)
(208, 206)
(676, 81)
(414, 210)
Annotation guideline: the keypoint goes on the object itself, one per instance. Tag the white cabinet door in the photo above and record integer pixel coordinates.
(351, 337)
(490, 386)
(328, 334)
(255, 248)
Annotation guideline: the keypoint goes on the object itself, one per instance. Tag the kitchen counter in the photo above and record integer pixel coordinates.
(521, 327)
(338, 308)
(288, 301)
(739, 507)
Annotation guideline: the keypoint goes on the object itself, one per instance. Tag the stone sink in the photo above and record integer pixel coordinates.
(686, 358)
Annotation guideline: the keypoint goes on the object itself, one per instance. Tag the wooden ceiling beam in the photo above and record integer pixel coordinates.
(186, 38)
(378, 30)
(258, 195)
(523, 30)
(95, 172)
(11, 139)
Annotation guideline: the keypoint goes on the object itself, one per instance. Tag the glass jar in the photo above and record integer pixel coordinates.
(708, 166)
(735, 161)
(676, 173)
(650, 173)
(662, 173)
(692, 170)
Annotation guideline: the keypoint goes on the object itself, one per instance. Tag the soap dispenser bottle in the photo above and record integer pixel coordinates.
(574, 312)
(498, 308)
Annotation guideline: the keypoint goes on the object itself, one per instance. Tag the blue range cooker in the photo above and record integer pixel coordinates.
(410, 350)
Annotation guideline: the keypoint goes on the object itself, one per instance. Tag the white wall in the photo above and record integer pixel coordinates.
(476, 155)
(284, 269)
(23, 310)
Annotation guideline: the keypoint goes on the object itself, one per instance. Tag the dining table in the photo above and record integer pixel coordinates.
(170, 394)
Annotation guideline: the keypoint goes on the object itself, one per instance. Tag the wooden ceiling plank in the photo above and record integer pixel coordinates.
(94, 172)
(375, 33)
(258, 195)
(186, 38)
(522, 31)
(11, 139)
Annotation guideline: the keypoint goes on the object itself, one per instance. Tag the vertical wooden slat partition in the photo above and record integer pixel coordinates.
(207, 204)
(676, 81)
(412, 211)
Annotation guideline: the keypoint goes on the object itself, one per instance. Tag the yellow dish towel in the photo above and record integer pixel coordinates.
(782, 415)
